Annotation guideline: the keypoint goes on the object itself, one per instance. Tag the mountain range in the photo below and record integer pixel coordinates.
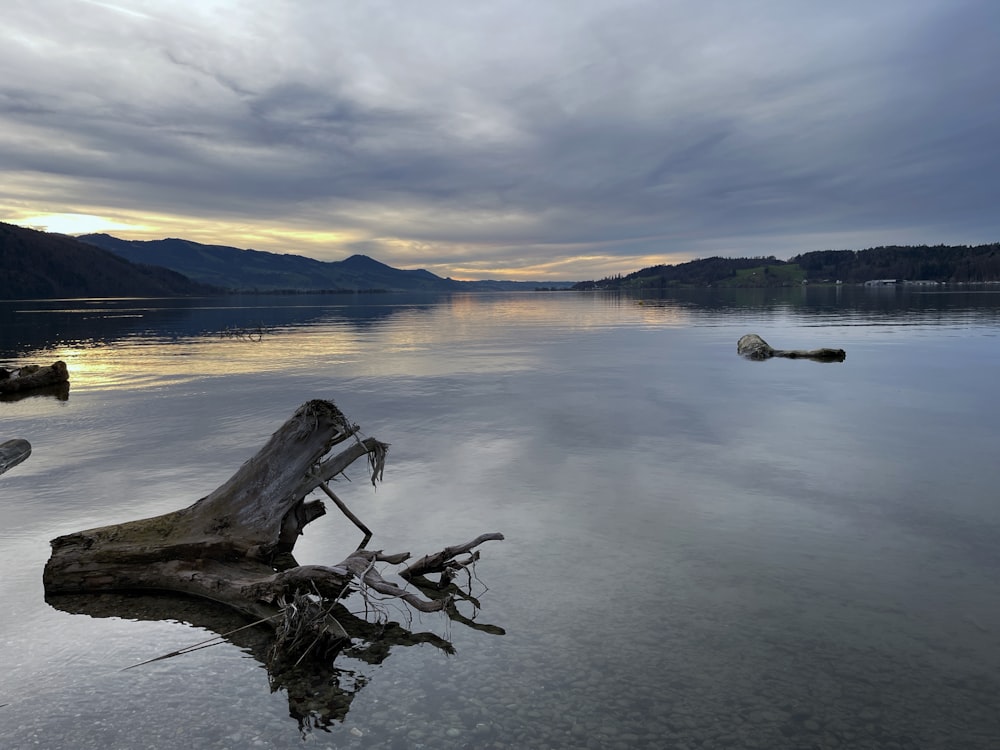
(44, 265)
(36, 264)
(256, 270)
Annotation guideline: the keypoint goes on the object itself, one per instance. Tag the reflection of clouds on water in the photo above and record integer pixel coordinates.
(699, 548)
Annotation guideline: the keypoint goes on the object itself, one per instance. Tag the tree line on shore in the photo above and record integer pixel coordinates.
(939, 263)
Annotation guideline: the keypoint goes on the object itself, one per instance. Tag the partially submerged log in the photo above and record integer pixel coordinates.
(232, 546)
(753, 346)
(29, 377)
(13, 452)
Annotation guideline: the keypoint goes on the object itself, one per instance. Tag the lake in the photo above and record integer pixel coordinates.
(701, 551)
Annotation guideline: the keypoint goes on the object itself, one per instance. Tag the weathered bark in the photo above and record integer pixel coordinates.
(13, 452)
(32, 376)
(225, 546)
(753, 346)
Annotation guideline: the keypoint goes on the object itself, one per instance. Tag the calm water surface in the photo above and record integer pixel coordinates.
(701, 551)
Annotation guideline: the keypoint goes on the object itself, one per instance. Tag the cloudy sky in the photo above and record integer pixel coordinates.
(534, 139)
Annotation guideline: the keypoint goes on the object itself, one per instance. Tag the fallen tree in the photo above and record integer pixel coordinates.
(753, 346)
(235, 545)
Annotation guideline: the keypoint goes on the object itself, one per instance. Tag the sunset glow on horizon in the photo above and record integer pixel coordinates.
(509, 140)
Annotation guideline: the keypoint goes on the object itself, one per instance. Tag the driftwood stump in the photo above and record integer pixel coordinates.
(753, 346)
(32, 376)
(234, 545)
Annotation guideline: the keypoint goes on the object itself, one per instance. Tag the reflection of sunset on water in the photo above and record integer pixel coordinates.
(144, 362)
(421, 336)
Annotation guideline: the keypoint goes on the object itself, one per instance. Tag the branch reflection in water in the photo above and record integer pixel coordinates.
(319, 691)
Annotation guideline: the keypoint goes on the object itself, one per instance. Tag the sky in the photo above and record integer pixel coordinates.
(519, 139)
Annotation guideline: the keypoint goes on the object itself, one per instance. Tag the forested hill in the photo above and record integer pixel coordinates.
(258, 270)
(941, 263)
(44, 265)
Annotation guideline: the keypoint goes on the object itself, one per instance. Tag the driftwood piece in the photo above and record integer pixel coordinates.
(445, 559)
(754, 347)
(32, 376)
(228, 546)
(13, 452)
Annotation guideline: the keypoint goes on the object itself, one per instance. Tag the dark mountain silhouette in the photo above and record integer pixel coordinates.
(44, 265)
(256, 270)
(939, 263)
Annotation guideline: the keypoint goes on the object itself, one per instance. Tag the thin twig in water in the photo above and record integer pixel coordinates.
(213, 641)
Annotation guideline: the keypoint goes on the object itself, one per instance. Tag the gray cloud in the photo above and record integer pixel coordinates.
(512, 133)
